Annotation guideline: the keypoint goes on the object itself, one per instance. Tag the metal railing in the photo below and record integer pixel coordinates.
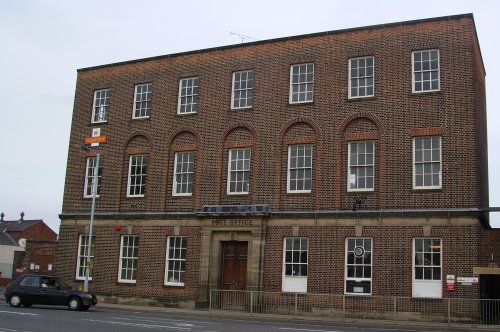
(447, 310)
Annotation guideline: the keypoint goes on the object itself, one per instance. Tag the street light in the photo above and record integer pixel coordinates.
(94, 193)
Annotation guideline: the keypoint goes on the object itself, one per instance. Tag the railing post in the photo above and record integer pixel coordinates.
(343, 307)
(449, 312)
(210, 301)
(296, 304)
(251, 302)
(395, 306)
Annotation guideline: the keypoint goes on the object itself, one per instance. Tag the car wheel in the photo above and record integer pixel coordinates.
(15, 300)
(85, 307)
(74, 303)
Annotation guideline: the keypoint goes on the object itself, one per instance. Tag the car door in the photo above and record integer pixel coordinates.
(29, 288)
(54, 294)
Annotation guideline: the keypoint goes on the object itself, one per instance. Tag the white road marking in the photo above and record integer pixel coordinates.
(148, 326)
(294, 329)
(6, 329)
(152, 319)
(19, 313)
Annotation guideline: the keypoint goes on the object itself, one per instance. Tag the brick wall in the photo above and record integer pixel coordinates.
(392, 257)
(151, 261)
(330, 121)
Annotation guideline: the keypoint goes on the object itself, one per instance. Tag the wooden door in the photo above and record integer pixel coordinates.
(234, 265)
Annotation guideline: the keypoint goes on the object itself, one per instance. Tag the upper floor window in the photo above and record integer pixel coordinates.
(425, 70)
(89, 177)
(242, 95)
(295, 264)
(142, 101)
(128, 258)
(427, 271)
(188, 96)
(427, 163)
(175, 267)
(358, 274)
(183, 174)
(100, 109)
(137, 175)
(301, 83)
(361, 166)
(238, 180)
(361, 77)
(300, 159)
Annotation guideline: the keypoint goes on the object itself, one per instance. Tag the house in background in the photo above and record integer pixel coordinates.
(34, 244)
(8, 250)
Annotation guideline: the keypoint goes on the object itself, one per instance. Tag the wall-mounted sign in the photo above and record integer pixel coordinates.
(468, 280)
(450, 282)
(95, 140)
(232, 222)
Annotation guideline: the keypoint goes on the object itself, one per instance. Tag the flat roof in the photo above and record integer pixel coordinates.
(267, 41)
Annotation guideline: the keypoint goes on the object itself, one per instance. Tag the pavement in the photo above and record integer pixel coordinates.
(280, 318)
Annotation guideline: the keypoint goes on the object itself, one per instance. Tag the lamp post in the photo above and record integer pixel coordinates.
(94, 193)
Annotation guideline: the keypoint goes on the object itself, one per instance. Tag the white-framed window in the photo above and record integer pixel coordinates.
(128, 258)
(361, 168)
(142, 101)
(100, 108)
(89, 177)
(300, 159)
(425, 67)
(242, 96)
(358, 270)
(238, 179)
(361, 77)
(427, 163)
(188, 95)
(83, 257)
(175, 266)
(295, 250)
(137, 171)
(301, 83)
(427, 267)
(183, 174)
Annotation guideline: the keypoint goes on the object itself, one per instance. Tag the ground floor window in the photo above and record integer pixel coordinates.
(176, 261)
(295, 264)
(358, 271)
(83, 257)
(427, 271)
(128, 258)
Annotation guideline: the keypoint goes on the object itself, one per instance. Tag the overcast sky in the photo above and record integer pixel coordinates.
(44, 42)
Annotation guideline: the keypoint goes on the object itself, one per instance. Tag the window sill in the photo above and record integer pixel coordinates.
(299, 193)
(301, 103)
(187, 114)
(357, 99)
(241, 109)
(127, 282)
(426, 93)
(176, 286)
(427, 190)
(142, 118)
(182, 195)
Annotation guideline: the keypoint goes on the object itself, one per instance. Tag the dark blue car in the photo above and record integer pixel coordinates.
(32, 289)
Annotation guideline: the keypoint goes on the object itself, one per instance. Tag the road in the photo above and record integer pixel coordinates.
(55, 319)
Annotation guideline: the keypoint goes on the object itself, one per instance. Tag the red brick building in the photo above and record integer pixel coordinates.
(347, 162)
(32, 243)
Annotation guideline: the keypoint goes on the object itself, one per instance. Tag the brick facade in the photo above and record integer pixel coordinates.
(392, 214)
